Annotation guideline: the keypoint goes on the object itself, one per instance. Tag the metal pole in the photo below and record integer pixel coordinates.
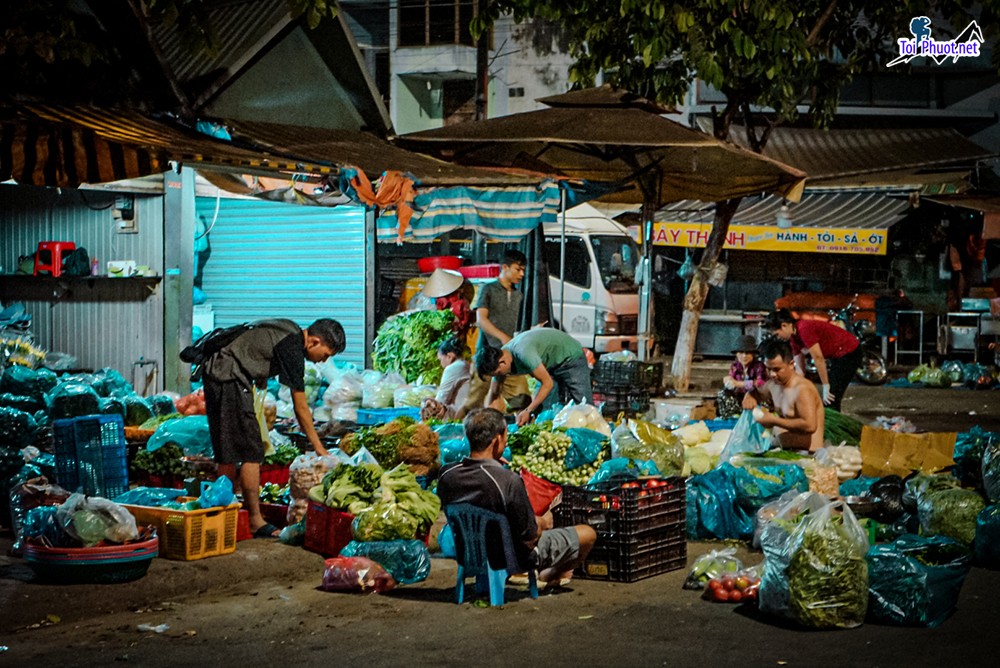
(562, 263)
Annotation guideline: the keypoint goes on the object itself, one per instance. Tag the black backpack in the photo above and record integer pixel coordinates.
(198, 352)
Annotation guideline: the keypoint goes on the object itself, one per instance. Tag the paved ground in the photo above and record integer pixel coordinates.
(262, 605)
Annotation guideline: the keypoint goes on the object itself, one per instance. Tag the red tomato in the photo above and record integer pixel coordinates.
(630, 485)
(643, 493)
(735, 596)
(721, 595)
(741, 582)
(728, 583)
(714, 584)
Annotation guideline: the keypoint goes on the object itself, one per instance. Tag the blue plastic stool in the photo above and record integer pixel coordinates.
(469, 524)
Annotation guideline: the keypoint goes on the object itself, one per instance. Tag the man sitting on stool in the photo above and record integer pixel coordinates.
(481, 480)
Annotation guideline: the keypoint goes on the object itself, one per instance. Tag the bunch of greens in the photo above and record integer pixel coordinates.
(402, 440)
(408, 343)
(521, 440)
(162, 461)
(153, 423)
(827, 575)
(404, 510)
(350, 488)
(284, 453)
(950, 512)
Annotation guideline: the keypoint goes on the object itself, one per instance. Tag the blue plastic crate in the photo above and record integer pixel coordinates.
(91, 455)
(383, 415)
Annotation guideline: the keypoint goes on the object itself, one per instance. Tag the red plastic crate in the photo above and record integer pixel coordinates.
(327, 530)
(276, 473)
(275, 513)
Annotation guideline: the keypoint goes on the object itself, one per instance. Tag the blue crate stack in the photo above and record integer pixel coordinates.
(91, 455)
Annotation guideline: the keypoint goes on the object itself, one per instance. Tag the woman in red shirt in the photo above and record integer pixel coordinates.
(836, 352)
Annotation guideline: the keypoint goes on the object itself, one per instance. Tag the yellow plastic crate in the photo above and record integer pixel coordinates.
(188, 535)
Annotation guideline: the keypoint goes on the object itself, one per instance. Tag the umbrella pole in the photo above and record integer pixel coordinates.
(644, 288)
(562, 261)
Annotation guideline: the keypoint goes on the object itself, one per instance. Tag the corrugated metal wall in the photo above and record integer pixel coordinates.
(113, 333)
(273, 260)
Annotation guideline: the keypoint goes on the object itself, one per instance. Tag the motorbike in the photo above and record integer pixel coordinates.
(873, 369)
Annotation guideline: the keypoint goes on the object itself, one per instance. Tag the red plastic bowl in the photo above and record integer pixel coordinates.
(428, 264)
(480, 271)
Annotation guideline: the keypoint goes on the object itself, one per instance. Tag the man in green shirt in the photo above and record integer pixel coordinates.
(550, 356)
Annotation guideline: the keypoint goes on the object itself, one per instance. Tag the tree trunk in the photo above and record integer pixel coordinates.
(694, 300)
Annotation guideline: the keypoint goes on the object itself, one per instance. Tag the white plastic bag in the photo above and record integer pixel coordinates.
(92, 519)
(581, 415)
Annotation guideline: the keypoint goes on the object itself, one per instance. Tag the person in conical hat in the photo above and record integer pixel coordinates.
(446, 288)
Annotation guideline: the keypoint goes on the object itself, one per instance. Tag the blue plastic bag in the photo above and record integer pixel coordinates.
(217, 493)
(407, 561)
(857, 486)
(189, 433)
(585, 447)
(915, 581)
(624, 469)
(446, 542)
(757, 484)
(712, 509)
(452, 443)
(152, 497)
(988, 537)
(747, 436)
(362, 456)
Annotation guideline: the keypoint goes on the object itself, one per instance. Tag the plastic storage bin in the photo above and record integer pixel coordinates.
(91, 455)
(640, 531)
(187, 535)
(327, 530)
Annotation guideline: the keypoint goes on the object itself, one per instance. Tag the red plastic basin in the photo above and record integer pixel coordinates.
(428, 264)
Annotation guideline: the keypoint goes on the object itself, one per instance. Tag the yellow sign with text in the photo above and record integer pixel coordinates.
(773, 238)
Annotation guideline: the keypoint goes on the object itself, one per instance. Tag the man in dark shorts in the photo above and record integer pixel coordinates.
(269, 348)
(480, 479)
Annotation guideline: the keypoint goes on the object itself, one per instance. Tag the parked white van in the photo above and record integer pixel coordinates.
(602, 296)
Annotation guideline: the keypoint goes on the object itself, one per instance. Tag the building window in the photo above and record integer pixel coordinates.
(430, 22)
(515, 92)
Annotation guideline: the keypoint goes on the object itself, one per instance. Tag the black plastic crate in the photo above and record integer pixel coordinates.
(620, 513)
(631, 402)
(91, 455)
(641, 556)
(609, 374)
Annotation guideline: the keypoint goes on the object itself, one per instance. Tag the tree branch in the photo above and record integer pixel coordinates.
(821, 23)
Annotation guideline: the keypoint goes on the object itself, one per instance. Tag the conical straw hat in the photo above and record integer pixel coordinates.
(442, 282)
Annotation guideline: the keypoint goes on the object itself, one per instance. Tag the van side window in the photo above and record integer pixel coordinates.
(577, 260)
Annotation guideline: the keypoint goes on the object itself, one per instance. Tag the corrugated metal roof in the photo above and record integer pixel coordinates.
(827, 154)
(239, 25)
(834, 210)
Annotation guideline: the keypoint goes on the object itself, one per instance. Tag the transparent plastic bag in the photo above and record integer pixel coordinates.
(386, 520)
(641, 440)
(581, 415)
(93, 519)
(738, 586)
(815, 573)
(623, 469)
(711, 565)
(27, 495)
(747, 437)
(407, 561)
(412, 395)
(355, 574)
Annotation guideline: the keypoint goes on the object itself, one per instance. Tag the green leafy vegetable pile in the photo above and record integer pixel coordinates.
(271, 492)
(404, 510)
(827, 577)
(284, 453)
(162, 461)
(408, 343)
(402, 440)
(839, 428)
(352, 489)
(154, 422)
(521, 440)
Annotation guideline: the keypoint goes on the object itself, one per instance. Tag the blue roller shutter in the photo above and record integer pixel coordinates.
(274, 260)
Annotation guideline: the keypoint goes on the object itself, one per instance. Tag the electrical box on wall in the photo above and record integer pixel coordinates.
(124, 216)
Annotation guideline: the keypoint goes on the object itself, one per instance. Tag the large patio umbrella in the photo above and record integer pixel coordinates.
(613, 137)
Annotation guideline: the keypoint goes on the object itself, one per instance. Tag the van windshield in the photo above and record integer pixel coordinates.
(617, 257)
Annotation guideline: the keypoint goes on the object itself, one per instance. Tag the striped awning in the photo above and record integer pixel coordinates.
(45, 145)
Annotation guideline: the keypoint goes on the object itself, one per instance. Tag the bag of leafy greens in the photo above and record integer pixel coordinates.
(988, 537)
(815, 573)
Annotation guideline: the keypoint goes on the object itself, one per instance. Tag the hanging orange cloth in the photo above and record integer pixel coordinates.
(395, 191)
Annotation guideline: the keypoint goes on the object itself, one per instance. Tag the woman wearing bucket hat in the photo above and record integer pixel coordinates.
(746, 373)
(447, 290)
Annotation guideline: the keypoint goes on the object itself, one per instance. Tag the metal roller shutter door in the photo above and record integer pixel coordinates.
(275, 260)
